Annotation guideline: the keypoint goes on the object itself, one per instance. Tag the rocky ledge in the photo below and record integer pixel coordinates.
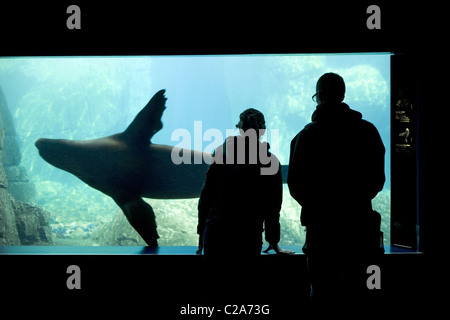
(21, 223)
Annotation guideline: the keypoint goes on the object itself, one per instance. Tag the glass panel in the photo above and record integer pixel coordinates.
(91, 97)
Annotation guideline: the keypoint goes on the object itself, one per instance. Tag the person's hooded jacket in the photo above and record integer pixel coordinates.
(238, 198)
(336, 166)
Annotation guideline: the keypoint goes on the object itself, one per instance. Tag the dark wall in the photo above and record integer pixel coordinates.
(171, 27)
(152, 284)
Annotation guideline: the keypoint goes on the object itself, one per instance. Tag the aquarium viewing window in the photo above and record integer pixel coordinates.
(91, 97)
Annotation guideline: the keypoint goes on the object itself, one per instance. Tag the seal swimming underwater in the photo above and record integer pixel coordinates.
(127, 166)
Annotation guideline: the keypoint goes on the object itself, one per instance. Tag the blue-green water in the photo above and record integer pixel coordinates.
(92, 97)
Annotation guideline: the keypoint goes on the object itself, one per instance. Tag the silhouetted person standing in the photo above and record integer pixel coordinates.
(336, 168)
(237, 203)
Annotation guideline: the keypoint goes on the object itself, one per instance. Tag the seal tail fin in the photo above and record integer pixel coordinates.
(148, 120)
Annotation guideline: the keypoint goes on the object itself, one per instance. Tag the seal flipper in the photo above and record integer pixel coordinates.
(148, 120)
(142, 218)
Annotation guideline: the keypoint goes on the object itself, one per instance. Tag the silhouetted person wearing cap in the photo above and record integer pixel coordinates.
(238, 201)
(336, 168)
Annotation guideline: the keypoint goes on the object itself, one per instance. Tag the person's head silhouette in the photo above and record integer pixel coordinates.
(330, 88)
(252, 119)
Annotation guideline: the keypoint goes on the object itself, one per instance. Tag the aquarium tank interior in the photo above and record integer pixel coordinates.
(91, 97)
